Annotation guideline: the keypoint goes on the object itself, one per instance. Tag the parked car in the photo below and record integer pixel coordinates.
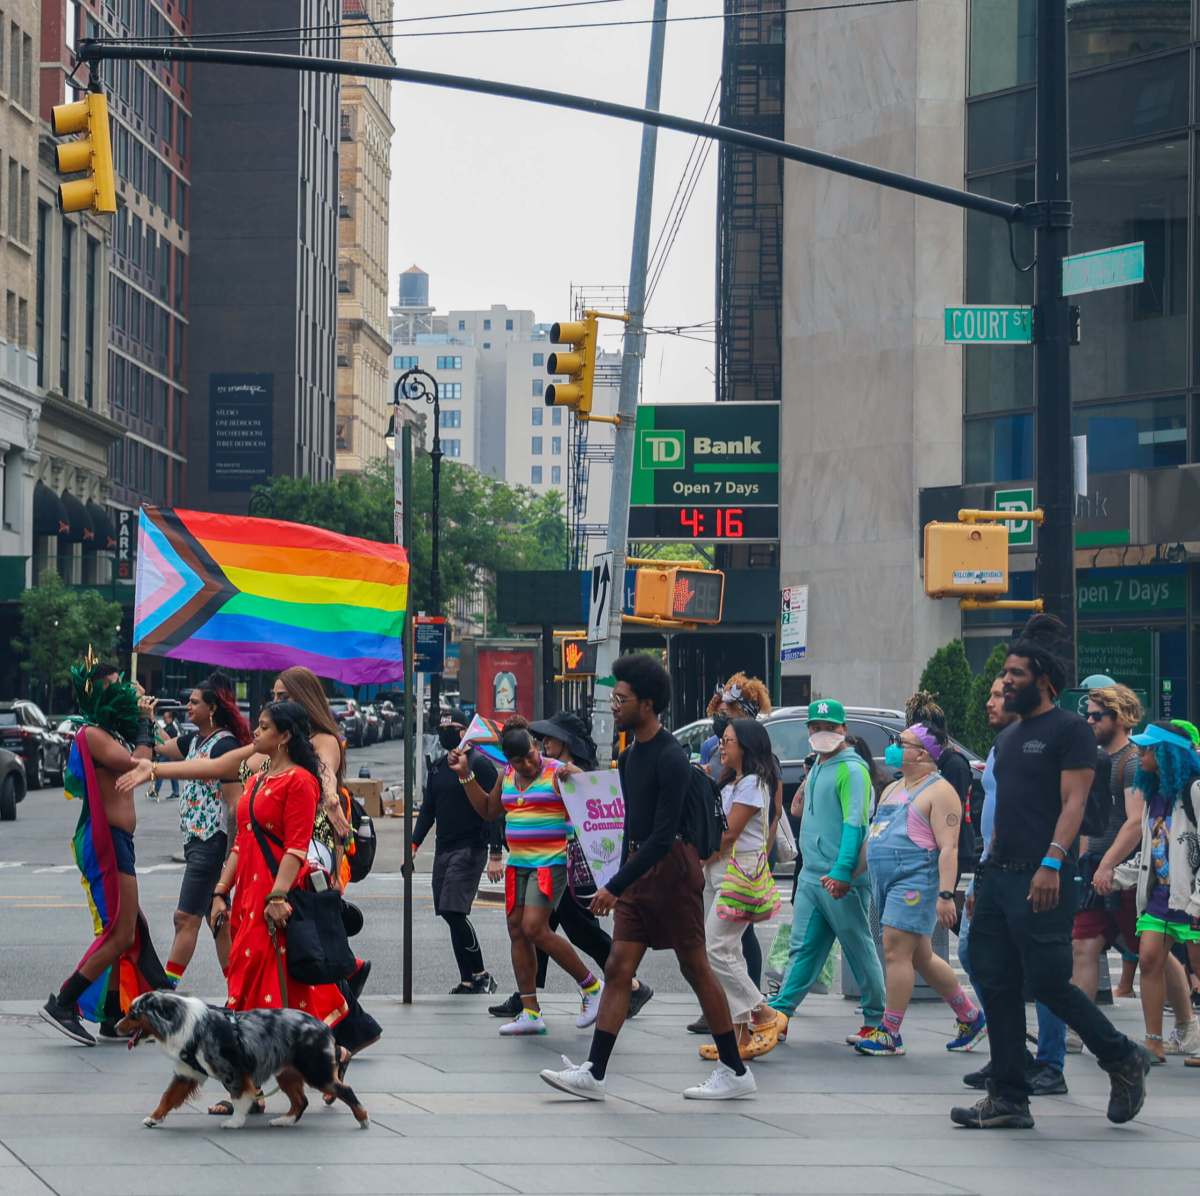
(349, 720)
(12, 784)
(391, 720)
(372, 725)
(25, 730)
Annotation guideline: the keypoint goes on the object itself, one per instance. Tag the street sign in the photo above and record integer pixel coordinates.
(429, 634)
(982, 324)
(1102, 269)
(706, 472)
(793, 623)
(600, 604)
(1019, 534)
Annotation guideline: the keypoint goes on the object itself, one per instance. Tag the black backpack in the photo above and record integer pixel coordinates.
(970, 799)
(363, 828)
(1098, 813)
(703, 820)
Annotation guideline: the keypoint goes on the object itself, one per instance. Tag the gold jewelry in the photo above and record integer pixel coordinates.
(153, 772)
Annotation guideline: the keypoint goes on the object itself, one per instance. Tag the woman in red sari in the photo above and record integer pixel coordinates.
(284, 802)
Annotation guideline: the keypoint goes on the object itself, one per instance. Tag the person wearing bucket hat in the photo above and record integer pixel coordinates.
(832, 896)
(1166, 877)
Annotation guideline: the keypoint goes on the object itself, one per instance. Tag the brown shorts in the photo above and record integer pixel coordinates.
(1118, 928)
(665, 908)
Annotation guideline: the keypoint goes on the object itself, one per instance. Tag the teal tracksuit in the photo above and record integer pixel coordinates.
(837, 814)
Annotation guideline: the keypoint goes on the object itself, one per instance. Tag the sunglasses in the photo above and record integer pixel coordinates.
(1094, 716)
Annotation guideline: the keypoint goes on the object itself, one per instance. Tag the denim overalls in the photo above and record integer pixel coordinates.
(904, 875)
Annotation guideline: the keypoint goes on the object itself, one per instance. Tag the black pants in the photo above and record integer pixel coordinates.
(1014, 950)
(752, 954)
(465, 942)
(583, 931)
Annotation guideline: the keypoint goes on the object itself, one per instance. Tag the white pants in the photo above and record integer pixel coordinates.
(724, 942)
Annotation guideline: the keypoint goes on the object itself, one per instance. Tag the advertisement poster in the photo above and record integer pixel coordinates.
(597, 809)
(239, 444)
(504, 683)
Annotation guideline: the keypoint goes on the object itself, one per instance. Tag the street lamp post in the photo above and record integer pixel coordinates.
(416, 386)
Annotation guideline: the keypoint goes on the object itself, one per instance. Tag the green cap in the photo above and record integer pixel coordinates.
(826, 710)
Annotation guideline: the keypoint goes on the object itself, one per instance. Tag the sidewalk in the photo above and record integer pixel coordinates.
(456, 1109)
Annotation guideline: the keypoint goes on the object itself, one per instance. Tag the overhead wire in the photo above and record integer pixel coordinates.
(701, 162)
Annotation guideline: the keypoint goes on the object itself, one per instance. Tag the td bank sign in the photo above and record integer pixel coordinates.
(706, 452)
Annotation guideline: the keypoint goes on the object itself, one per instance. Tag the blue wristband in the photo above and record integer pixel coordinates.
(1048, 861)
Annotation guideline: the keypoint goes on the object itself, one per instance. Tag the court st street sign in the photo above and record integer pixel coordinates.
(981, 324)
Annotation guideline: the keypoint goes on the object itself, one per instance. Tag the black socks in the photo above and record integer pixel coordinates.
(727, 1052)
(73, 988)
(602, 1046)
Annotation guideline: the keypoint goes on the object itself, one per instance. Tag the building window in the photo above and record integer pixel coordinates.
(539, 359)
(999, 449)
(535, 475)
(1148, 434)
(539, 387)
(535, 446)
(449, 363)
(64, 349)
(555, 475)
(452, 448)
(449, 390)
(556, 417)
(39, 315)
(405, 363)
(537, 417)
(91, 298)
(487, 344)
(487, 325)
(345, 127)
(1003, 44)
(462, 325)
(508, 325)
(556, 446)
(451, 419)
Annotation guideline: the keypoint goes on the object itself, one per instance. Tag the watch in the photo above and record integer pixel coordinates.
(946, 895)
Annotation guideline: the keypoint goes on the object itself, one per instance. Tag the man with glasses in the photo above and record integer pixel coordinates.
(658, 892)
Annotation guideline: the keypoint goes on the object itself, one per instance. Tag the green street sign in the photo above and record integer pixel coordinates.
(1019, 534)
(1103, 269)
(706, 453)
(982, 324)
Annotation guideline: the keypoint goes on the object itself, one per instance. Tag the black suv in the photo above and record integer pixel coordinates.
(25, 731)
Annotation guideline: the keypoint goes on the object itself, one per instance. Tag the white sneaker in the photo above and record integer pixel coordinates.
(723, 1084)
(1074, 1043)
(589, 1007)
(524, 1023)
(576, 1079)
(1186, 1041)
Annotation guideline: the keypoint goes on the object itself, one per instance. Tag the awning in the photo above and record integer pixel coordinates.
(49, 514)
(79, 530)
(106, 536)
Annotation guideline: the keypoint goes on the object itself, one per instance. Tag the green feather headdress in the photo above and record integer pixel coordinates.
(112, 707)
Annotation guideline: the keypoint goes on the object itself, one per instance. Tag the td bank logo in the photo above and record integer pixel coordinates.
(659, 449)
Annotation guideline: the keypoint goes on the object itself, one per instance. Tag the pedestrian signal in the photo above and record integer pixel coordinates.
(679, 594)
(966, 560)
(578, 658)
(91, 154)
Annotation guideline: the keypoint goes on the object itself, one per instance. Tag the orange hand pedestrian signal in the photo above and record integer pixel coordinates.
(684, 594)
(572, 656)
(578, 658)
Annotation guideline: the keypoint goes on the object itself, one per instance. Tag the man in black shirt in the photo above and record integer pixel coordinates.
(460, 852)
(1026, 894)
(658, 892)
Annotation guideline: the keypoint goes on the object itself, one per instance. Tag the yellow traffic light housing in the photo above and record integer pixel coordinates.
(966, 560)
(90, 154)
(669, 593)
(579, 365)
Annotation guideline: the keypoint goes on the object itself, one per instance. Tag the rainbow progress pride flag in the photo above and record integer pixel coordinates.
(249, 593)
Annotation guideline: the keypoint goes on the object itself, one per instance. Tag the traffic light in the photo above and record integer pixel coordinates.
(91, 154)
(579, 365)
(578, 657)
(679, 594)
(966, 560)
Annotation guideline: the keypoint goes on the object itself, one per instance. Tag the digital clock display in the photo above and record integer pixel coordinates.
(704, 523)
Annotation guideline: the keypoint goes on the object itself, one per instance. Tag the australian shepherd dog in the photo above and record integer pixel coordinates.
(240, 1051)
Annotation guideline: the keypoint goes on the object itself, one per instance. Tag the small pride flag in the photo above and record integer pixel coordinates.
(484, 736)
(246, 593)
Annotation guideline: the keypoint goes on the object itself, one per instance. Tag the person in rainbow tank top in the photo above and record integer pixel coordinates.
(535, 825)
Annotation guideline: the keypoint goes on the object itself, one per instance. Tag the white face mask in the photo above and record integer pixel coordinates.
(826, 741)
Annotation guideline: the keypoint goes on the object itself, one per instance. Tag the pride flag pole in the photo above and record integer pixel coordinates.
(403, 465)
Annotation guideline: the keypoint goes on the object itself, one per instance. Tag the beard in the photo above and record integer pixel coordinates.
(1023, 700)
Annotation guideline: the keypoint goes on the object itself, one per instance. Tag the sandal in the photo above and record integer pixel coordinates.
(1192, 1061)
(224, 1108)
(1155, 1049)
(344, 1058)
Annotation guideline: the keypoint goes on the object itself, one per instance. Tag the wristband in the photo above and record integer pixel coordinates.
(220, 896)
(467, 779)
(1048, 861)
(946, 895)
(276, 895)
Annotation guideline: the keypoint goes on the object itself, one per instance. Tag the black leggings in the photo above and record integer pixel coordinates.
(465, 942)
(752, 954)
(583, 931)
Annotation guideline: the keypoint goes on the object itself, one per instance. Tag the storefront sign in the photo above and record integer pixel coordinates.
(1126, 656)
(1019, 534)
(1152, 591)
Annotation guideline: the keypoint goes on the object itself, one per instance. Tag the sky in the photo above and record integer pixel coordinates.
(501, 201)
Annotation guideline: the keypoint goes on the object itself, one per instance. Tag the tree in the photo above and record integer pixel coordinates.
(948, 677)
(486, 525)
(977, 735)
(57, 625)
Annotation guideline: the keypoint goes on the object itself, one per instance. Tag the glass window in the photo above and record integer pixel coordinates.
(452, 448)
(537, 417)
(449, 390)
(539, 359)
(555, 475)
(999, 449)
(535, 446)
(1002, 131)
(405, 363)
(555, 446)
(535, 475)
(1135, 338)
(539, 387)
(1101, 31)
(449, 363)
(1150, 434)
(462, 325)
(508, 325)
(451, 419)
(789, 739)
(487, 325)
(556, 417)
(875, 736)
(998, 378)
(487, 344)
(1003, 44)
(1128, 102)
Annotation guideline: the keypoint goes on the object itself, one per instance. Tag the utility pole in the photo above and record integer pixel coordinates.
(1052, 218)
(403, 452)
(631, 367)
